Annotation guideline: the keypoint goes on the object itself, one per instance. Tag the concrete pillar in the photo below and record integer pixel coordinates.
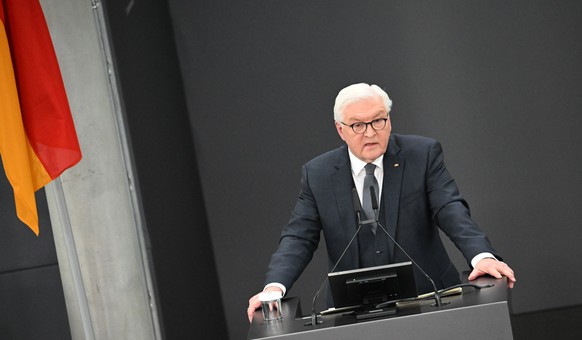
(97, 225)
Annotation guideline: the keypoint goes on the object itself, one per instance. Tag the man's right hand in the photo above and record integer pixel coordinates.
(255, 304)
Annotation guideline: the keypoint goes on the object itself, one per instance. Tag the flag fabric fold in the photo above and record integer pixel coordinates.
(37, 134)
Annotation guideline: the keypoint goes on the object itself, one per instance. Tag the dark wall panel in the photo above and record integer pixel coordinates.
(20, 248)
(167, 170)
(33, 305)
(497, 82)
(32, 302)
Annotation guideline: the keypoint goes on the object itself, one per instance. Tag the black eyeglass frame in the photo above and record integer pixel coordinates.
(365, 124)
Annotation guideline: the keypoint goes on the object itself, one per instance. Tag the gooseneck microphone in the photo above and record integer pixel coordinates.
(358, 211)
(437, 295)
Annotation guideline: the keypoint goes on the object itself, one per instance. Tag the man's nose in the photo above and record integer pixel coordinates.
(370, 132)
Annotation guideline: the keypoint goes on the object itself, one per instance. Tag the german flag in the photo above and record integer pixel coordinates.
(37, 135)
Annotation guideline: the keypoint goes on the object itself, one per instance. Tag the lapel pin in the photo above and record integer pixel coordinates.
(396, 165)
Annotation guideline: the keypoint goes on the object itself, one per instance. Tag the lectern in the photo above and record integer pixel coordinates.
(474, 314)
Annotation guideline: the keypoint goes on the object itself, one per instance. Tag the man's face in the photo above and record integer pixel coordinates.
(371, 144)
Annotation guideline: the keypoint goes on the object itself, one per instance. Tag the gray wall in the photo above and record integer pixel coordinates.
(497, 82)
(166, 170)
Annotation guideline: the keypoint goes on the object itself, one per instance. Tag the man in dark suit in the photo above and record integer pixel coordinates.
(418, 196)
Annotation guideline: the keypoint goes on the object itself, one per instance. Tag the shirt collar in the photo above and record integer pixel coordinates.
(358, 164)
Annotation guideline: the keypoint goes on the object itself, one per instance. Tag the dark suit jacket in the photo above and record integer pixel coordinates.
(418, 195)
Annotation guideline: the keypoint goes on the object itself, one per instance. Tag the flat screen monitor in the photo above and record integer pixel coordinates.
(368, 287)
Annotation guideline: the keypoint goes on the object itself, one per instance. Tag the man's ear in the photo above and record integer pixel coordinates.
(340, 130)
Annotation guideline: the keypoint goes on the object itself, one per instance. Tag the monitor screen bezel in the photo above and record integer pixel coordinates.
(402, 272)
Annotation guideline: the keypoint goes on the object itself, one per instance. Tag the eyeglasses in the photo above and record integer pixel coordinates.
(361, 127)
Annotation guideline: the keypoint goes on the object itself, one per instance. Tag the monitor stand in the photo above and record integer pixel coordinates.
(369, 312)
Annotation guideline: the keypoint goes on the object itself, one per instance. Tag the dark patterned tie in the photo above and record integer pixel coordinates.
(369, 181)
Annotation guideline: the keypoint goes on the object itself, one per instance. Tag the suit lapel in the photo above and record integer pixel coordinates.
(393, 169)
(342, 186)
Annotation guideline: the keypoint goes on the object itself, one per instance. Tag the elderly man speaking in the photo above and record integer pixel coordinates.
(417, 196)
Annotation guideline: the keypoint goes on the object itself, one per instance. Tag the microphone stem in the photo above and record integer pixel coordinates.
(437, 295)
(313, 312)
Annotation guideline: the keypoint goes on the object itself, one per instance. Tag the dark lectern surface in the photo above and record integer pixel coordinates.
(476, 314)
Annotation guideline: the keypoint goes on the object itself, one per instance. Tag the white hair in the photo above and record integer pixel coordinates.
(356, 93)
